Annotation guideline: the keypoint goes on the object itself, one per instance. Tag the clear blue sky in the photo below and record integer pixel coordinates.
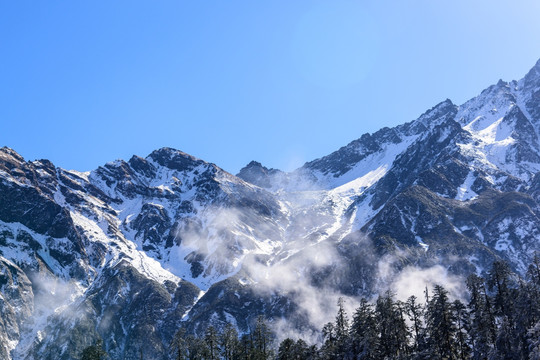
(281, 82)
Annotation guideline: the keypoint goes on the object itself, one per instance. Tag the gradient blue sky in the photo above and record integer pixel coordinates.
(281, 82)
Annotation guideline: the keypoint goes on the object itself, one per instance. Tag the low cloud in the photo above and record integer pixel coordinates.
(414, 281)
(293, 278)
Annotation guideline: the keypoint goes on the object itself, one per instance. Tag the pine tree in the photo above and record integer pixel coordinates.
(363, 332)
(229, 342)
(179, 345)
(441, 325)
(196, 348)
(505, 344)
(533, 272)
(246, 347)
(462, 324)
(212, 343)
(301, 351)
(482, 321)
(286, 350)
(526, 309)
(341, 329)
(262, 337)
(414, 311)
(533, 289)
(392, 329)
(498, 281)
(328, 350)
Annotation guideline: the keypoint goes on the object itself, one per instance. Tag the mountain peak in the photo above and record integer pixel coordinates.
(170, 152)
(257, 174)
(502, 83)
(437, 113)
(9, 155)
(254, 163)
(442, 107)
(175, 159)
(532, 79)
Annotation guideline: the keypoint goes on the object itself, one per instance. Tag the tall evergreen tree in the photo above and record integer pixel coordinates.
(212, 343)
(506, 346)
(341, 329)
(286, 350)
(179, 345)
(526, 310)
(533, 271)
(262, 338)
(507, 342)
(533, 290)
(299, 350)
(196, 348)
(229, 342)
(482, 321)
(392, 329)
(246, 347)
(498, 281)
(414, 311)
(363, 332)
(462, 325)
(302, 351)
(441, 325)
(328, 350)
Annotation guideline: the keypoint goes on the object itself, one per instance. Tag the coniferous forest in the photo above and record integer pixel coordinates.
(500, 319)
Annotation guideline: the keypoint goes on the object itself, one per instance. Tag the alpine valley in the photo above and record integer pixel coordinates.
(135, 249)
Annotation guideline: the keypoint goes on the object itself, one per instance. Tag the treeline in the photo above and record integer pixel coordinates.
(225, 344)
(500, 320)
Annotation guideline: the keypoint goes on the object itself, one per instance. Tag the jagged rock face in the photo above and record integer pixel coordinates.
(16, 304)
(137, 313)
(135, 249)
(124, 241)
(29, 201)
(345, 159)
(257, 174)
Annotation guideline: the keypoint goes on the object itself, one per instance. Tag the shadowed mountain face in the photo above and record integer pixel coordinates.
(133, 250)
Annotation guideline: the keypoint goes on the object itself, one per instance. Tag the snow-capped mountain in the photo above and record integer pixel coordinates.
(135, 249)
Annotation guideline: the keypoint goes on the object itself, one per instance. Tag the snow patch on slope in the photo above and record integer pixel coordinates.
(367, 171)
(122, 249)
(464, 191)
